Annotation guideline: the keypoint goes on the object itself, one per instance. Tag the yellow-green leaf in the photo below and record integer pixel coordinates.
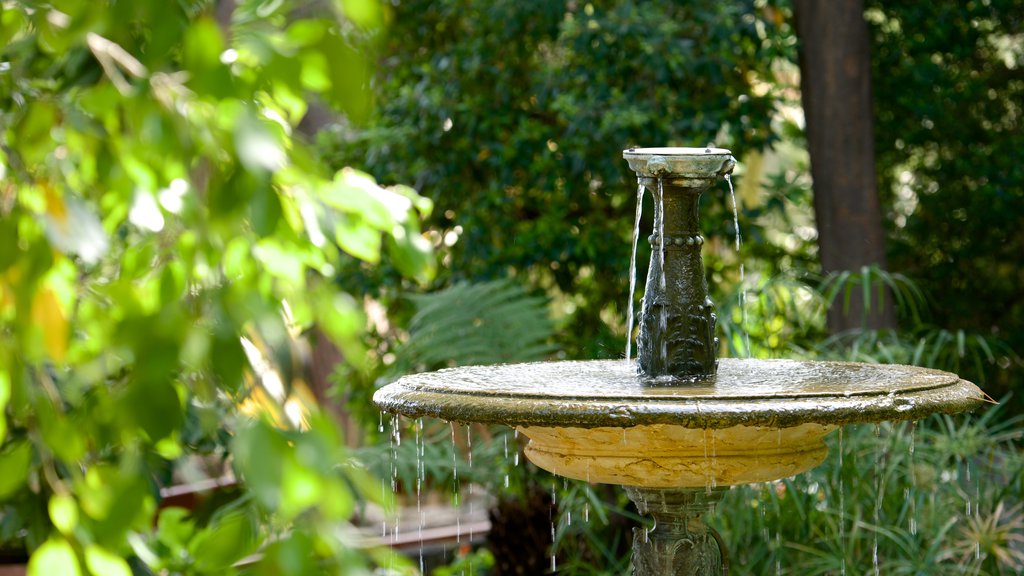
(102, 562)
(64, 512)
(56, 556)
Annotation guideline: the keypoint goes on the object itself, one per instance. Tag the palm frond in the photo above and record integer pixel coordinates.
(483, 323)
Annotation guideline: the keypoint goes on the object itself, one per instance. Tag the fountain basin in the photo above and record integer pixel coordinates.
(755, 420)
(673, 456)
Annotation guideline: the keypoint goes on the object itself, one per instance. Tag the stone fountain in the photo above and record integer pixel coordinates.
(679, 426)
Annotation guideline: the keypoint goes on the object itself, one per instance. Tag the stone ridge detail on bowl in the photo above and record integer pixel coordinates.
(608, 393)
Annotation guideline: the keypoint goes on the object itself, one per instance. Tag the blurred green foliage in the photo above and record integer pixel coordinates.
(165, 235)
(948, 83)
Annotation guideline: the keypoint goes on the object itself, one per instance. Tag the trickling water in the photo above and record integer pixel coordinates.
(455, 487)
(663, 316)
(469, 454)
(420, 475)
(632, 271)
(913, 481)
(380, 426)
(742, 273)
(554, 506)
(504, 439)
(878, 502)
(842, 510)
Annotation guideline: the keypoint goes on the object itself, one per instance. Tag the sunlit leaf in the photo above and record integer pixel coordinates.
(365, 13)
(63, 512)
(411, 253)
(55, 556)
(355, 237)
(101, 561)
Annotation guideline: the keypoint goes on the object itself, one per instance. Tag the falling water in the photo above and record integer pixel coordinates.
(554, 506)
(632, 271)
(469, 453)
(504, 438)
(878, 502)
(663, 316)
(743, 280)
(455, 487)
(913, 482)
(842, 510)
(420, 476)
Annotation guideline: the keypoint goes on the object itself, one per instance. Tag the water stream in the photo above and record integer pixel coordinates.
(842, 510)
(663, 316)
(632, 271)
(743, 279)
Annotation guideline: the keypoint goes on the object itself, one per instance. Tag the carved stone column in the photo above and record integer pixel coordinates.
(680, 543)
(677, 320)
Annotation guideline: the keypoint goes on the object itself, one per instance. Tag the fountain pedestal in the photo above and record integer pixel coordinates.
(677, 320)
(680, 544)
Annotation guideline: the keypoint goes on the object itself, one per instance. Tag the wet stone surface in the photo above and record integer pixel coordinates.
(595, 393)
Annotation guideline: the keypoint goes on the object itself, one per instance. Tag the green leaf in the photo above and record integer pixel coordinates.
(357, 193)
(294, 554)
(5, 397)
(259, 149)
(412, 254)
(154, 406)
(32, 133)
(55, 556)
(342, 320)
(64, 513)
(15, 461)
(363, 13)
(203, 45)
(227, 540)
(265, 210)
(174, 527)
(59, 432)
(355, 237)
(258, 451)
(102, 562)
(280, 262)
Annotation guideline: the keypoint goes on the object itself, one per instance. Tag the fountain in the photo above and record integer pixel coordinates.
(678, 427)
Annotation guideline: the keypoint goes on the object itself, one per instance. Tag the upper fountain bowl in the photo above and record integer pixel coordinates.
(680, 163)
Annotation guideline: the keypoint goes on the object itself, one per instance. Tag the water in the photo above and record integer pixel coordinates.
(554, 506)
(878, 503)
(455, 488)
(469, 454)
(842, 510)
(420, 477)
(743, 279)
(913, 482)
(504, 438)
(663, 316)
(632, 272)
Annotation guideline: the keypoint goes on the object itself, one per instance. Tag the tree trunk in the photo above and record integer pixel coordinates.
(835, 84)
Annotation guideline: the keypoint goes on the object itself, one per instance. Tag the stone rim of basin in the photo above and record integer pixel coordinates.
(608, 393)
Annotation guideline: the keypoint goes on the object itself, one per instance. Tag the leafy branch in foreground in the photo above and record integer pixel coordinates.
(157, 205)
